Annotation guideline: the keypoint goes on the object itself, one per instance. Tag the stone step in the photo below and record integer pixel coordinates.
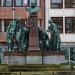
(40, 73)
(34, 68)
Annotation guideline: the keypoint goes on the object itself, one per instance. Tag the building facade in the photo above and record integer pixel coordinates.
(62, 12)
(12, 9)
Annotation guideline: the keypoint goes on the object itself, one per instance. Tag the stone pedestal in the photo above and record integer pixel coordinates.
(53, 57)
(14, 58)
(34, 57)
(33, 36)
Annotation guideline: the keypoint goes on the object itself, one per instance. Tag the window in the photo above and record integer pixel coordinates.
(56, 3)
(70, 3)
(18, 3)
(6, 23)
(34, 2)
(72, 53)
(7, 3)
(24, 4)
(59, 22)
(0, 2)
(70, 25)
(0, 26)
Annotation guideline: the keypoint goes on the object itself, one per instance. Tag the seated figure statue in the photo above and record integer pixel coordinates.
(55, 39)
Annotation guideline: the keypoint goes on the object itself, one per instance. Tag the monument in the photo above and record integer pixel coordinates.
(33, 25)
(33, 45)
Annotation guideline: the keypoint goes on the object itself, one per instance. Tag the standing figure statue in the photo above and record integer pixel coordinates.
(11, 35)
(43, 40)
(55, 39)
(24, 38)
(16, 32)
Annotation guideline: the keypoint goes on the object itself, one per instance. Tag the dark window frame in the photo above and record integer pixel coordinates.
(19, 5)
(4, 5)
(36, 3)
(22, 5)
(0, 3)
(60, 5)
(69, 4)
(69, 29)
(60, 28)
(30, 2)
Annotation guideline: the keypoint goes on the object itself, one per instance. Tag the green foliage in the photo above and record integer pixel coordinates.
(34, 68)
(4, 68)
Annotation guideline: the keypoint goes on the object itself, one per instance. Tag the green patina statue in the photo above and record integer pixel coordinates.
(43, 39)
(33, 9)
(55, 39)
(17, 32)
(24, 39)
(11, 34)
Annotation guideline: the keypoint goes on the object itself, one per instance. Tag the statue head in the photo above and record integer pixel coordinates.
(52, 26)
(18, 20)
(50, 21)
(33, 6)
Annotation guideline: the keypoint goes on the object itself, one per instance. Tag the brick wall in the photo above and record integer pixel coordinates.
(6, 13)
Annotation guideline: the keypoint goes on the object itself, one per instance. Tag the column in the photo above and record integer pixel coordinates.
(63, 17)
(2, 25)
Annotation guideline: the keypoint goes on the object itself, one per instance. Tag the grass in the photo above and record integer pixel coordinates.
(35, 67)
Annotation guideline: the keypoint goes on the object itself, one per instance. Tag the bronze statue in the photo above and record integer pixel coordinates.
(11, 34)
(43, 40)
(33, 9)
(20, 34)
(24, 39)
(55, 39)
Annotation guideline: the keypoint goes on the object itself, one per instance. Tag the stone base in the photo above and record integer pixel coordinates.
(14, 53)
(16, 60)
(34, 57)
(53, 57)
(14, 57)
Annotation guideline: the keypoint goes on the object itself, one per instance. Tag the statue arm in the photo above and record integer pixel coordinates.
(8, 28)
